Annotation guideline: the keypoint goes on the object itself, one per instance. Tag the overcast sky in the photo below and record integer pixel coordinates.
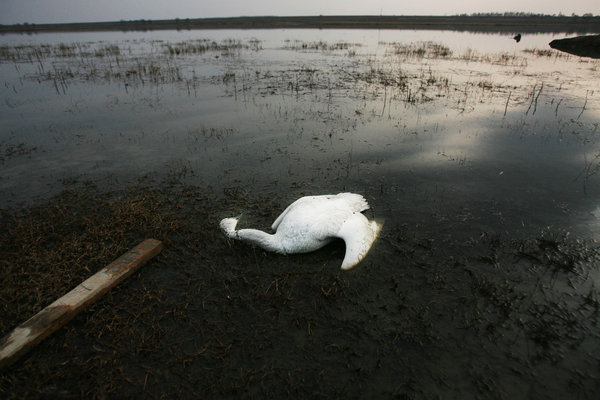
(51, 11)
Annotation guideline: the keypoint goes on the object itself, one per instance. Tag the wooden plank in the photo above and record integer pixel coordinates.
(38, 327)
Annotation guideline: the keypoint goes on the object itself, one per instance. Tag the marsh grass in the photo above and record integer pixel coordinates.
(546, 53)
(38, 53)
(502, 58)
(393, 78)
(82, 51)
(109, 50)
(173, 63)
(427, 49)
(319, 45)
(129, 72)
(366, 79)
(200, 46)
(64, 63)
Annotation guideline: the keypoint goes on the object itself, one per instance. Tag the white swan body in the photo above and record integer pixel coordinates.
(311, 222)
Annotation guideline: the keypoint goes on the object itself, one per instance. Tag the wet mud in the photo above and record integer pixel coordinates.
(209, 317)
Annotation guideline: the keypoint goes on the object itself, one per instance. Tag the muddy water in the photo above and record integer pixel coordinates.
(481, 155)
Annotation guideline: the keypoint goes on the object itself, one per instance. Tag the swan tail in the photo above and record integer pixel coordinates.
(359, 234)
(356, 201)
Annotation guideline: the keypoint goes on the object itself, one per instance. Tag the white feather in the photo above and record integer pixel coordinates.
(311, 222)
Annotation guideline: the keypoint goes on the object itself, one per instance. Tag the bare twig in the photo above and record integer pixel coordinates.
(584, 104)
(506, 105)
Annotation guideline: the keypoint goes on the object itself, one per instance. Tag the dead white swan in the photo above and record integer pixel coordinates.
(311, 222)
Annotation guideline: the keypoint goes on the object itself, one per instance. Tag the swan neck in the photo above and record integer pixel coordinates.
(262, 239)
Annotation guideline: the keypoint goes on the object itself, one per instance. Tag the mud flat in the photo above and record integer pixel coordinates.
(210, 318)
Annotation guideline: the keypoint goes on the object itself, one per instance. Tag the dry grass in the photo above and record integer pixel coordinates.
(49, 249)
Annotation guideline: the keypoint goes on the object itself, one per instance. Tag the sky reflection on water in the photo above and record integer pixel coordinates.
(488, 123)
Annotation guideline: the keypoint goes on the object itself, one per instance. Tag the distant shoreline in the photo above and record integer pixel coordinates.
(499, 24)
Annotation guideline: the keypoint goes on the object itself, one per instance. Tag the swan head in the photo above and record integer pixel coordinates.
(228, 226)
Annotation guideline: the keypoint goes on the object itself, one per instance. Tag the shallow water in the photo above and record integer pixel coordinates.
(314, 110)
(456, 139)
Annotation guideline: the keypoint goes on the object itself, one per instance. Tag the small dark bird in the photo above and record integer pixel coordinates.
(517, 38)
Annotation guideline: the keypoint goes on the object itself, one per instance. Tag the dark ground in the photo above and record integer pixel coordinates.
(583, 46)
(483, 23)
(421, 317)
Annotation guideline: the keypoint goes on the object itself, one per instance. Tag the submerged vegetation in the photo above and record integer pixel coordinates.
(202, 46)
(421, 49)
(38, 53)
(117, 63)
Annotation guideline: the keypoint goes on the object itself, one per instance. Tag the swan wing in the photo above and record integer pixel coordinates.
(359, 234)
(306, 229)
(343, 203)
(286, 212)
